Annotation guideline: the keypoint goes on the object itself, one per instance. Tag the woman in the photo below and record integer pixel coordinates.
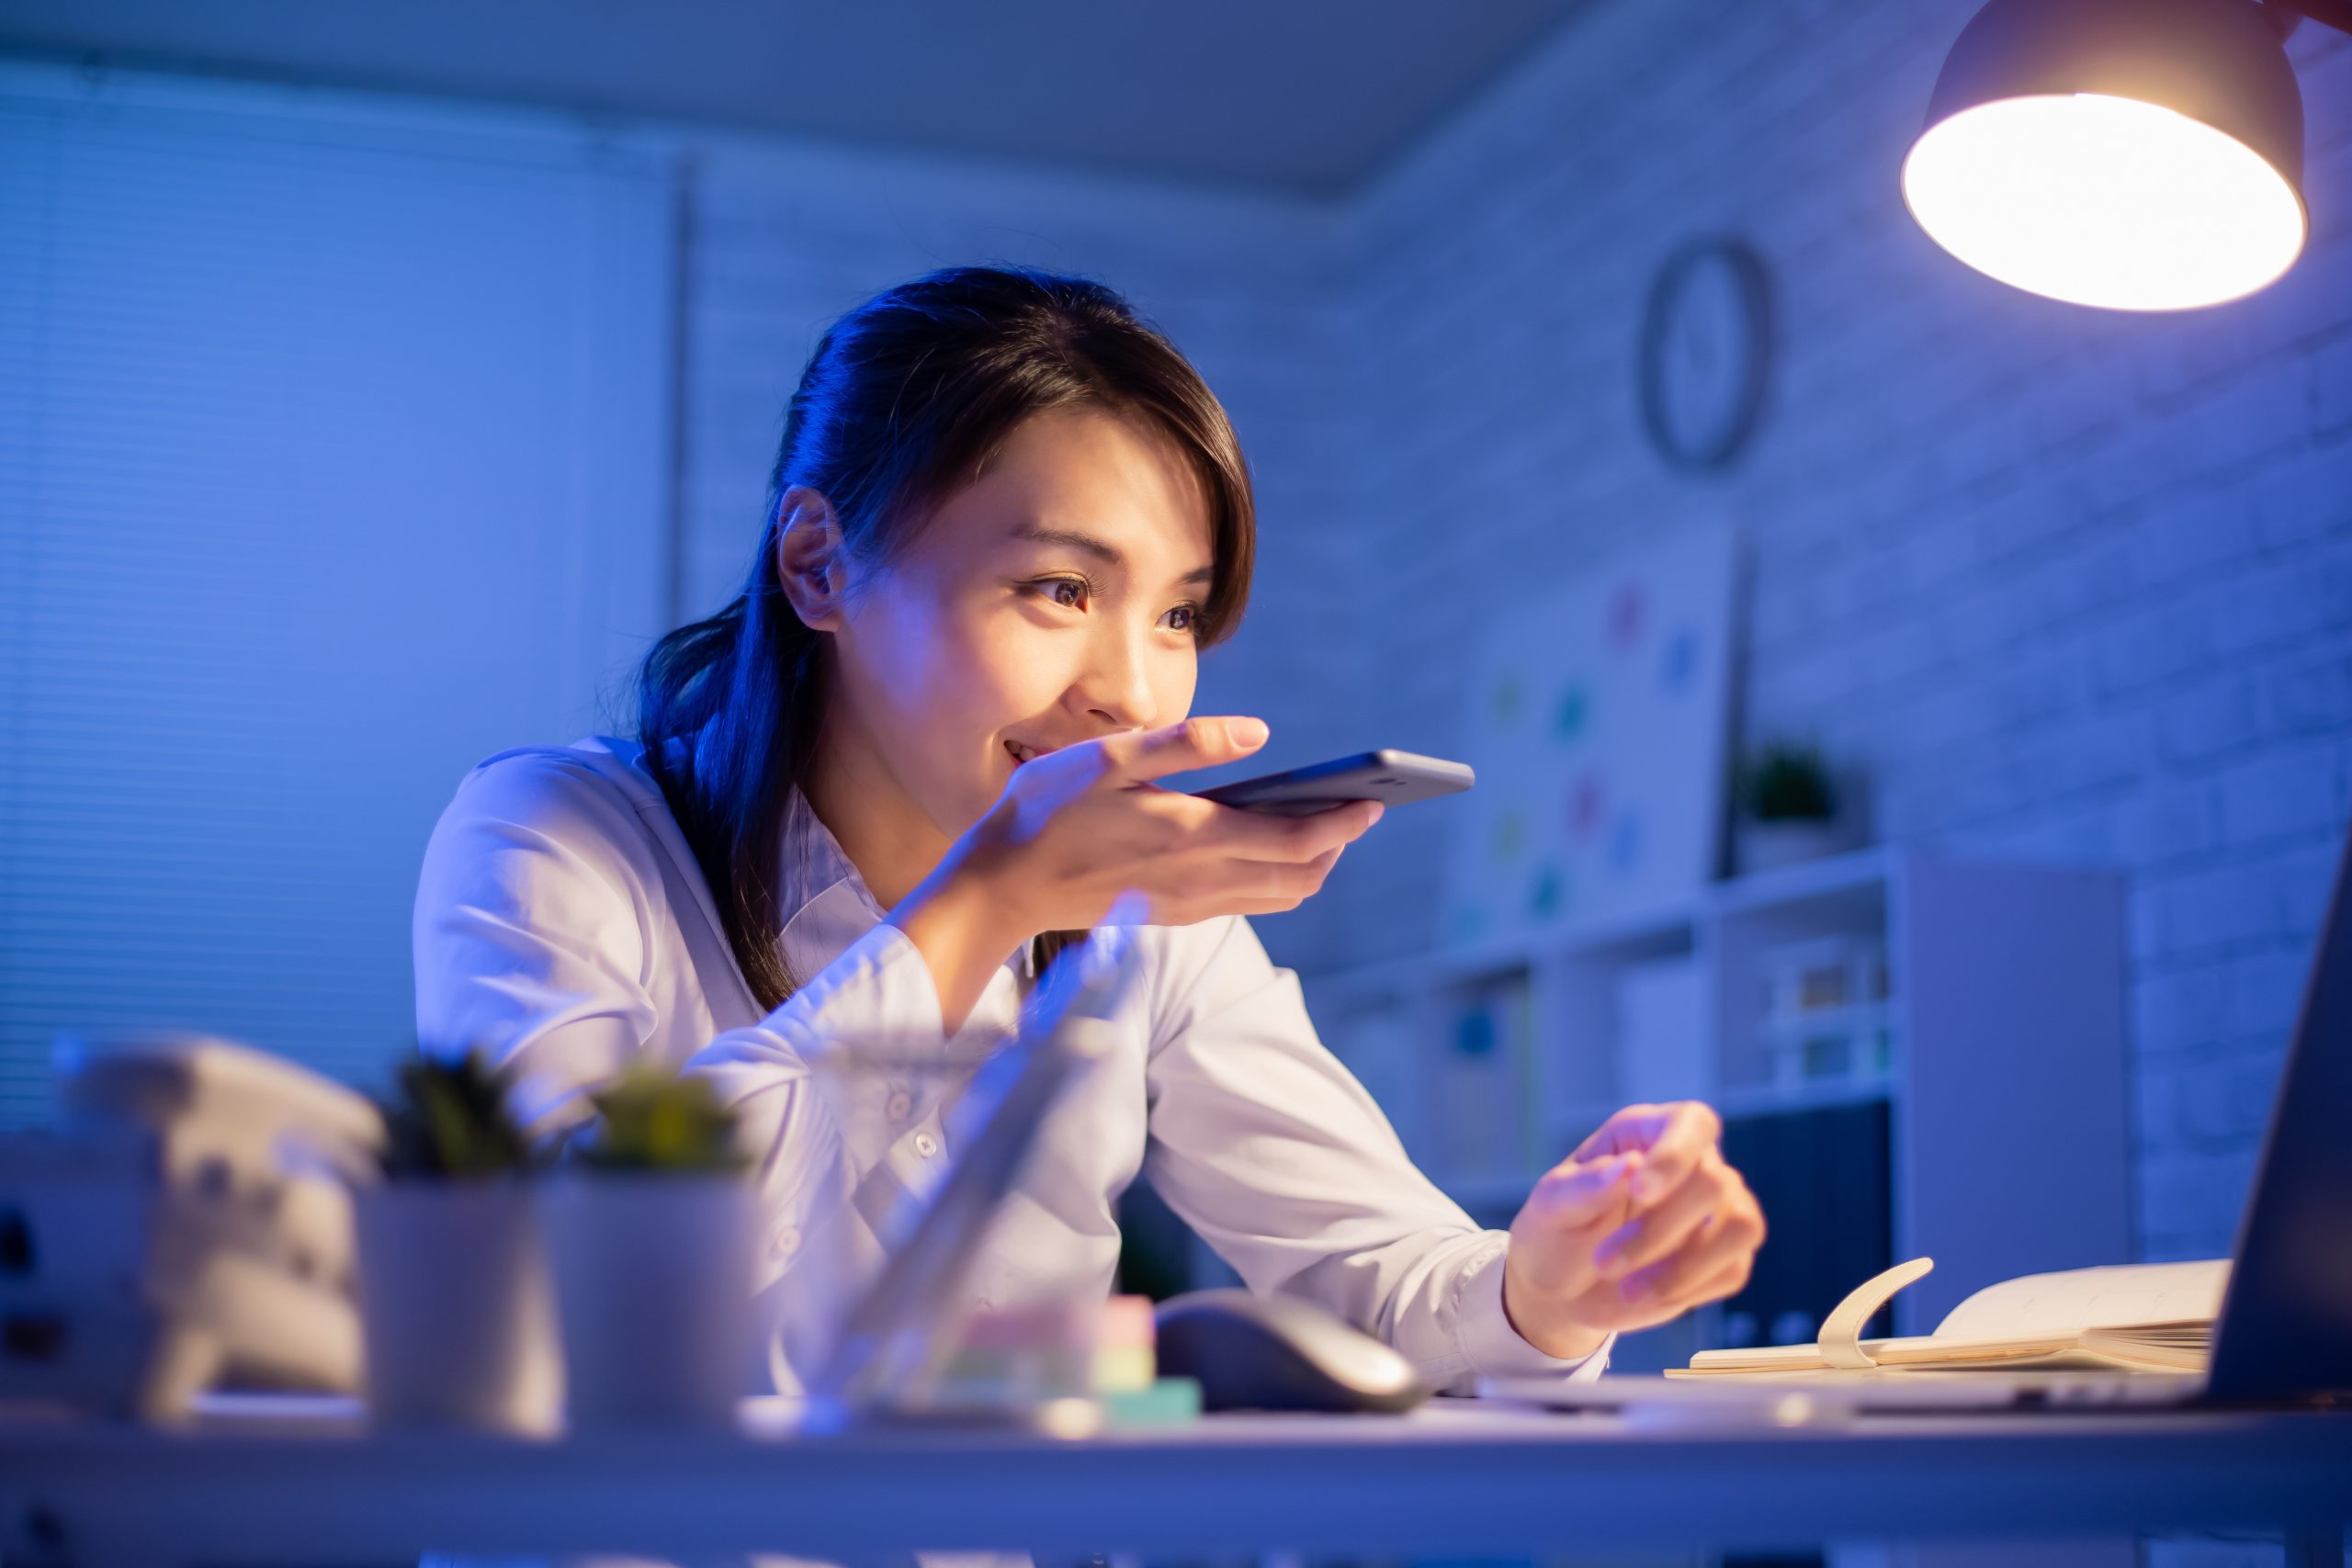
(872, 796)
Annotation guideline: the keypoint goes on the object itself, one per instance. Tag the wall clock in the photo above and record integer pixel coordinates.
(1706, 350)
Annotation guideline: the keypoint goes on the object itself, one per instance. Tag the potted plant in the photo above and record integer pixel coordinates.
(453, 1279)
(1789, 809)
(651, 1229)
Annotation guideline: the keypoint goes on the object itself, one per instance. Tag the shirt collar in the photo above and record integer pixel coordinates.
(825, 903)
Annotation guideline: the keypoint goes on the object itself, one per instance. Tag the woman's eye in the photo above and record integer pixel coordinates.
(1072, 594)
(1076, 587)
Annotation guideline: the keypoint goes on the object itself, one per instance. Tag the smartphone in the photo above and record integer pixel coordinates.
(1387, 775)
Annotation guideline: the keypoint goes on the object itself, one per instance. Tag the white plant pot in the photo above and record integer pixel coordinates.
(459, 1311)
(1768, 846)
(654, 1275)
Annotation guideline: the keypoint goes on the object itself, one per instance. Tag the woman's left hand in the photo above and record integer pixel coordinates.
(1643, 1223)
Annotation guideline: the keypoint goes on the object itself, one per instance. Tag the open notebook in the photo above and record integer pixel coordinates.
(2134, 1317)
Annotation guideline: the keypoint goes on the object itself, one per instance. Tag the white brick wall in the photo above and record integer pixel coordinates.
(2066, 583)
(2063, 582)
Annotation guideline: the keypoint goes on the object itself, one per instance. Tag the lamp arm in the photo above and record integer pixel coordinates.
(2336, 14)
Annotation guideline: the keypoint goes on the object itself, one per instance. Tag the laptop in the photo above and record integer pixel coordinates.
(2284, 1336)
(2285, 1332)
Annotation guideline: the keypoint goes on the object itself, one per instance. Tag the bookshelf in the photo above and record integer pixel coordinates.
(1912, 1055)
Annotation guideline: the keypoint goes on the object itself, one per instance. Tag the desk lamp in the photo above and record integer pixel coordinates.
(2136, 155)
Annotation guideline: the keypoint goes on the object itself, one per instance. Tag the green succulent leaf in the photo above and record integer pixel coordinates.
(1787, 781)
(450, 1120)
(651, 1118)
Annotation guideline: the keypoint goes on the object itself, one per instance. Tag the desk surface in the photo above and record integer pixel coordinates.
(1453, 1478)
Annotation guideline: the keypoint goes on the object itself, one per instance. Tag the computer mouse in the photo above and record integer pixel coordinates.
(1253, 1352)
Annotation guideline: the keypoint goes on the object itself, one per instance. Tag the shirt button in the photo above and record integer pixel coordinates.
(900, 1103)
(788, 1241)
(925, 1145)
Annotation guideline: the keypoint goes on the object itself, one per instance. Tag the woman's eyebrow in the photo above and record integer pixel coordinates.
(1107, 552)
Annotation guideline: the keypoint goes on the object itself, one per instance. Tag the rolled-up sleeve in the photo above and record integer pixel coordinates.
(1269, 1147)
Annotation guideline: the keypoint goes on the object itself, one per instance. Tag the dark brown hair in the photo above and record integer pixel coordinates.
(905, 399)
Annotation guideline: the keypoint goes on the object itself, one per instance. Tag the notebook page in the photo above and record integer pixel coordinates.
(2036, 1306)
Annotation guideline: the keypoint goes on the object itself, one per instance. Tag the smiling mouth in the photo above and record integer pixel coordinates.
(1018, 753)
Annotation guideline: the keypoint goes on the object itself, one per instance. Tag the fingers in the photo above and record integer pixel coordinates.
(1204, 858)
(1659, 1231)
(1575, 1194)
(1255, 887)
(1140, 756)
(1672, 1139)
(1692, 1226)
(1688, 1137)
(1724, 1247)
(1604, 1306)
(1177, 748)
(1630, 1129)
(1725, 1283)
(1255, 835)
(1209, 881)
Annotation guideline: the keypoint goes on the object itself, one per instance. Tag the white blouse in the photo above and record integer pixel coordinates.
(563, 925)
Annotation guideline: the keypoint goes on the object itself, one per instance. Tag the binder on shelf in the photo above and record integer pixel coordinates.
(1825, 1173)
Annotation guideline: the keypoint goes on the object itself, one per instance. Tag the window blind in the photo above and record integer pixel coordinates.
(332, 459)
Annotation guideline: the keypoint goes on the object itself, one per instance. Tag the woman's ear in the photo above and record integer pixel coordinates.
(810, 564)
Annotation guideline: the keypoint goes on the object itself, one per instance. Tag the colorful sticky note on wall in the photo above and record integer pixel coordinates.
(1628, 610)
(1549, 895)
(1568, 717)
(1585, 799)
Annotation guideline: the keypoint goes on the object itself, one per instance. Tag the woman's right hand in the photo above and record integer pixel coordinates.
(1075, 827)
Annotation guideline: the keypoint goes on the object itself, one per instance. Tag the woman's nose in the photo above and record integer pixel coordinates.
(1118, 687)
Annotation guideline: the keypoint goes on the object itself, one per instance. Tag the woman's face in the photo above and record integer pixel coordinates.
(1052, 601)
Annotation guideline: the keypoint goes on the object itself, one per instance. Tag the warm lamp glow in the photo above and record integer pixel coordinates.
(2103, 200)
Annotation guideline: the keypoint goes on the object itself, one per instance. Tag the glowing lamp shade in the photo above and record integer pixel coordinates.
(2104, 201)
(2136, 154)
